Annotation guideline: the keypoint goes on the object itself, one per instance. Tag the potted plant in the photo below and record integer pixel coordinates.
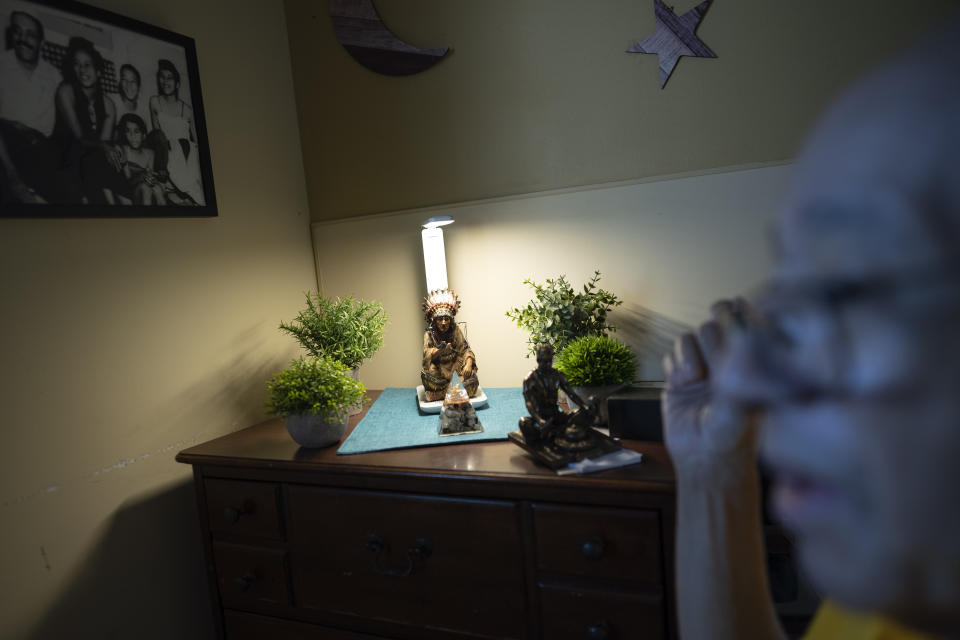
(346, 329)
(597, 367)
(559, 314)
(314, 396)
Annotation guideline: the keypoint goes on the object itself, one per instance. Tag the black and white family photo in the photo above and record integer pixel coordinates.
(98, 119)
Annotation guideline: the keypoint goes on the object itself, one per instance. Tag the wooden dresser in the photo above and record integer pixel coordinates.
(455, 541)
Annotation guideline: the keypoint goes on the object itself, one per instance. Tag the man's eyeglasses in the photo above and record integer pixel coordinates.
(799, 331)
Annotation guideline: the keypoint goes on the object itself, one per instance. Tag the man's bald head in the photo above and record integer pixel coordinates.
(878, 183)
(856, 362)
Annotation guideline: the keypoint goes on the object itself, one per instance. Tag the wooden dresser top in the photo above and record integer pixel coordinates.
(268, 446)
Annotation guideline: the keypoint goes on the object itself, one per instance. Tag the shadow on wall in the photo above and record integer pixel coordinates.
(144, 575)
(144, 579)
(650, 334)
(237, 389)
(242, 382)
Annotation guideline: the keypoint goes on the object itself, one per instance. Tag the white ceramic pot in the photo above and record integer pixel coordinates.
(314, 431)
(600, 394)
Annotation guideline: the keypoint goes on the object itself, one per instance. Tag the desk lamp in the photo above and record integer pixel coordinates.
(434, 260)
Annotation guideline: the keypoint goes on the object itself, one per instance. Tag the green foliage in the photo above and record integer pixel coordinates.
(558, 314)
(313, 385)
(347, 330)
(595, 361)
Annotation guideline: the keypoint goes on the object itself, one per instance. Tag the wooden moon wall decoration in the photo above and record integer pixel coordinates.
(674, 36)
(362, 33)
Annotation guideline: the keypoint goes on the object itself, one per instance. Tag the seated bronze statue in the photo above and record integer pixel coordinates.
(553, 437)
(445, 349)
(547, 424)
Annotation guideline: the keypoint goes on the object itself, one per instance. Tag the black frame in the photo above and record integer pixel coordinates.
(134, 34)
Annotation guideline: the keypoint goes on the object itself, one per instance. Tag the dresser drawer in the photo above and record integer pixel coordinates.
(599, 543)
(248, 576)
(243, 508)
(248, 626)
(574, 614)
(442, 563)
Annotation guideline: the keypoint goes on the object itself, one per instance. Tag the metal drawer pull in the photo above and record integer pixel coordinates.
(598, 631)
(593, 548)
(422, 548)
(243, 582)
(232, 514)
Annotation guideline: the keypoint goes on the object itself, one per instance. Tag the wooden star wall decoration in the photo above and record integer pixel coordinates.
(674, 37)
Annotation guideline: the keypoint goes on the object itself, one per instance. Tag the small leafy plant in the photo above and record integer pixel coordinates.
(558, 314)
(596, 361)
(346, 329)
(321, 386)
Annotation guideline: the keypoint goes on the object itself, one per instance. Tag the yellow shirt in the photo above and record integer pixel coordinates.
(835, 623)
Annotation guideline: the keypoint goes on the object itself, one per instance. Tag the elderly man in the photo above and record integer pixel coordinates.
(28, 84)
(845, 375)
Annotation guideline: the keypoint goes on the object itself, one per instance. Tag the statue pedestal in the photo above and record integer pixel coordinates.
(479, 401)
(558, 452)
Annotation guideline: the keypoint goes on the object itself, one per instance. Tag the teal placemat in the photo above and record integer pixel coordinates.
(395, 422)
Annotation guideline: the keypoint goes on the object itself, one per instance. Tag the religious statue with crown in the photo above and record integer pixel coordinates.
(445, 349)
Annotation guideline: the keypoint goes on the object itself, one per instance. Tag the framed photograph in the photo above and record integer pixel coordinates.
(100, 116)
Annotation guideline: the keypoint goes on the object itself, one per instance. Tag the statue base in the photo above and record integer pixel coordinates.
(479, 401)
(559, 451)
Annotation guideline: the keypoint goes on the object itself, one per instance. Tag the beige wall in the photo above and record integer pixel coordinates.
(667, 248)
(537, 98)
(540, 94)
(125, 341)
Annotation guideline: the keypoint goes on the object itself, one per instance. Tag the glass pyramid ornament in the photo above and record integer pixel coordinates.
(458, 416)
